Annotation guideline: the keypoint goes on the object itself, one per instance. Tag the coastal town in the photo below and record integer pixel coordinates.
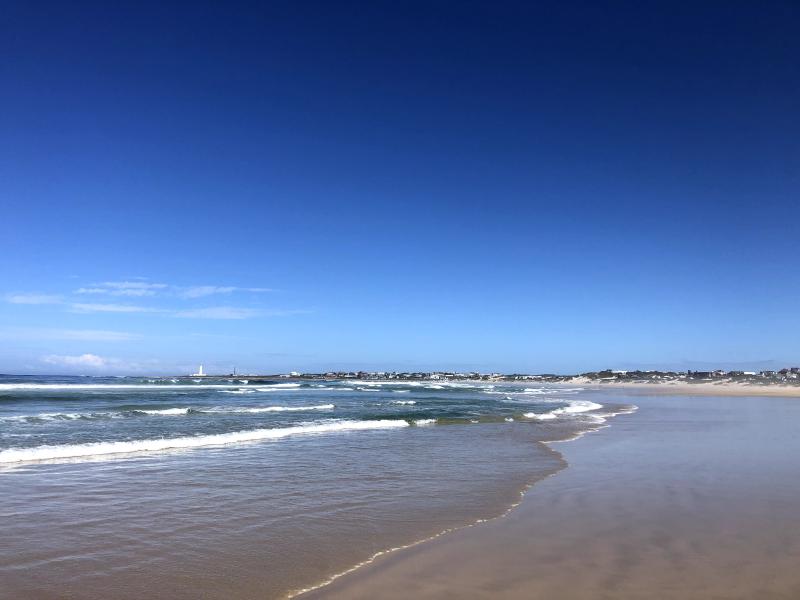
(784, 376)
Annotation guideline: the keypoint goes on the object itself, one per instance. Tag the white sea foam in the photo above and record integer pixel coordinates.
(282, 386)
(404, 402)
(428, 384)
(165, 411)
(540, 416)
(545, 391)
(69, 416)
(53, 416)
(100, 449)
(264, 409)
(573, 408)
(96, 415)
(578, 406)
(420, 422)
(239, 391)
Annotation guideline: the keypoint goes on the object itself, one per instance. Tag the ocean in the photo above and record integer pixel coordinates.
(227, 488)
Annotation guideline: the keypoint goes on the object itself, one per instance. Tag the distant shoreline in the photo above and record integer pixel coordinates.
(684, 388)
(677, 387)
(663, 386)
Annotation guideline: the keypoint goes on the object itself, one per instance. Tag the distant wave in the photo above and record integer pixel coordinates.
(18, 387)
(264, 409)
(100, 449)
(435, 385)
(279, 386)
(421, 422)
(57, 417)
(165, 412)
(404, 402)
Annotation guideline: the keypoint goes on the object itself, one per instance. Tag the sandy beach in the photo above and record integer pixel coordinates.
(722, 388)
(689, 497)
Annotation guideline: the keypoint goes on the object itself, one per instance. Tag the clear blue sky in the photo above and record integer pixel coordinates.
(559, 187)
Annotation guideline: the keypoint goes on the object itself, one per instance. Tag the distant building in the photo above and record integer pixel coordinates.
(199, 372)
(700, 374)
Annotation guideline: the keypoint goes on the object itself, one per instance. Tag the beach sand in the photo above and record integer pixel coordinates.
(722, 388)
(689, 497)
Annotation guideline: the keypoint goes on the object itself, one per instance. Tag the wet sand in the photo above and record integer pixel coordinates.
(689, 497)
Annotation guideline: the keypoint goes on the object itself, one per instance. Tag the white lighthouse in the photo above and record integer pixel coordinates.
(199, 372)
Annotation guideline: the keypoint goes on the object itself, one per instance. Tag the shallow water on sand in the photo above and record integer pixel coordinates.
(336, 472)
(688, 498)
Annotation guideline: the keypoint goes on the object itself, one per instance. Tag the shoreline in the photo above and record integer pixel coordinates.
(371, 560)
(602, 423)
(649, 507)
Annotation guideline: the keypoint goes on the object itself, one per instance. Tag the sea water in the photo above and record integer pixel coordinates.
(142, 487)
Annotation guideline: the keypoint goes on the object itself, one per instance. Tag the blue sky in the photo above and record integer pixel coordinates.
(311, 186)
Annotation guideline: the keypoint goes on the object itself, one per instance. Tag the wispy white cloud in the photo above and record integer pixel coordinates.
(137, 288)
(33, 299)
(82, 335)
(209, 312)
(218, 312)
(82, 360)
(112, 308)
(200, 291)
(145, 288)
(124, 288)
(233, 312)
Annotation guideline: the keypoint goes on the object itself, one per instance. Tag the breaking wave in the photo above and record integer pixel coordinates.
(573, 408)
(100, 449)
